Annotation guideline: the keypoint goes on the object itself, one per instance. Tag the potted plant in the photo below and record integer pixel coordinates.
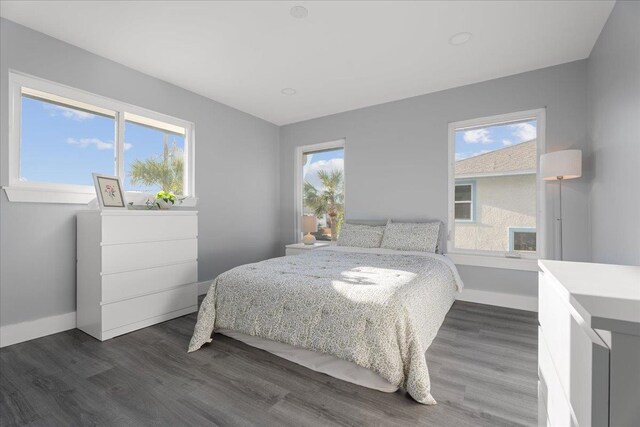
(165, 200)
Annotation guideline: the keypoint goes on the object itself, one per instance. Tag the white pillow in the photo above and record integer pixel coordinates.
(411, 236)
(361, 236)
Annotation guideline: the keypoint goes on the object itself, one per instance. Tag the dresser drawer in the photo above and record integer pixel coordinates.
(142, 228)
(557, 325)
(129, 284)
(133, 256)
(580, 377)
(551, 395)
(133, 310)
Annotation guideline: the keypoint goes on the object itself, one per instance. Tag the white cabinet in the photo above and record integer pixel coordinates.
(300, 248)
(570, 357)
(584, 312)
(135, 269)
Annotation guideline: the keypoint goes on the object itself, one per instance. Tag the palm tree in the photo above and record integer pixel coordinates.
(166, 171)
(329, 200)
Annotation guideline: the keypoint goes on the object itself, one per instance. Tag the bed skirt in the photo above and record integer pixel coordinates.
(319, 362)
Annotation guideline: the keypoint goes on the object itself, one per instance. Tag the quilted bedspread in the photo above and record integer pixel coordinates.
(378, 310)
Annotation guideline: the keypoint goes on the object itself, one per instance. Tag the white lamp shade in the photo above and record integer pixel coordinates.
(309, 223)
(566, 164)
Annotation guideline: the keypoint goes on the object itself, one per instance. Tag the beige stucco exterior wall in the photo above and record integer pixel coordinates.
(501, 202)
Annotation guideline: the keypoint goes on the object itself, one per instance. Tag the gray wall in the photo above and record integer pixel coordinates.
(238, 223)
(614, 129)
(396, 163)
(396, 156)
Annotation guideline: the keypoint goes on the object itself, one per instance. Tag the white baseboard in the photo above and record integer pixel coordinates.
(30, 330)
(500, 299)
(25, 331)
(203, 287)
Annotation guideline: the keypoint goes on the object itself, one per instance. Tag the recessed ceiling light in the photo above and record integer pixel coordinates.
(299, 12)
(288, 91)
(460, 38)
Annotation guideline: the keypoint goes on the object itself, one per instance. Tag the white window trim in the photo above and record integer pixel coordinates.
(38, 192)
(297, 222)
(515, 261)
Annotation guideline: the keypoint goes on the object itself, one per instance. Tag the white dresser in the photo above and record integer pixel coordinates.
(135, 268)
(588, 344)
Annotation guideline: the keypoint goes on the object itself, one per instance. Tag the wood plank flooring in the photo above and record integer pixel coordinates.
(483, 370)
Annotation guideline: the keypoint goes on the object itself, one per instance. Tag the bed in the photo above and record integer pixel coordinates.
(364, 315)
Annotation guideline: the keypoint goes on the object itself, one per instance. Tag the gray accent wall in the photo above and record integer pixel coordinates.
(614, 130)
(237, 178)
(396, 157)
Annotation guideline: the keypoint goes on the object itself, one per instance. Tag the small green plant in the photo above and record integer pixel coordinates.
(168, 197)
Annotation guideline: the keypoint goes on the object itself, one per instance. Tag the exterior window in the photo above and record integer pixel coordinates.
(153, 158)
(59, 136)
(321, 184)
(63, 144)
(464, 202)
(522, 239)
(494, 185)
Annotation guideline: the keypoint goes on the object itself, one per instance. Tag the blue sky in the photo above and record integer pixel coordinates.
(473, 142)
(326, 160)
(63, 145)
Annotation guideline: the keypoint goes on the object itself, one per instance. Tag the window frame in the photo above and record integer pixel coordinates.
(486, 258)
(298, 184)
(512, 230)
(47, 192)
(472, 184)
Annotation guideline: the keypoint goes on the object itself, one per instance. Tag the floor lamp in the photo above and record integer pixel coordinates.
(559, 166)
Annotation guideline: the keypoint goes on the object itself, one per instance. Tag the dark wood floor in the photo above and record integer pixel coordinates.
(482, 364)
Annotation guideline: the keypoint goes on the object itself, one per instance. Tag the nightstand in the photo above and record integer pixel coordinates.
(299, 248)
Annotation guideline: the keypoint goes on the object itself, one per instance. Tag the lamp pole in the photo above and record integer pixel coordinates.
(560, 217)
(558, 166)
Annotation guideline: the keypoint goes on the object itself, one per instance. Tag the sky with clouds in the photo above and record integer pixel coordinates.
(326, 160)
(473, 142)
(64, 145)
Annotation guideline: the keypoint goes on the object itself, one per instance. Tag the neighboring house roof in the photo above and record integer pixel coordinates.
(512, 160)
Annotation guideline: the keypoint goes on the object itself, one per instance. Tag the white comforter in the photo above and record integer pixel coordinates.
(377, 308)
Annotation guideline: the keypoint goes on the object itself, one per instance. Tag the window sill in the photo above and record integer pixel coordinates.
(50, 195)
(47, 195)
(522, 264)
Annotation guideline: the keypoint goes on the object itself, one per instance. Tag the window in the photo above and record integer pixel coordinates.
(63, 144)
(464, 193)
(494, 184)
(153, 158)
(59, 136)
(320, 188)
(522, 239)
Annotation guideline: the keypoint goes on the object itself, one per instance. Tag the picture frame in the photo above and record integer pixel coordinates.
(109, 191)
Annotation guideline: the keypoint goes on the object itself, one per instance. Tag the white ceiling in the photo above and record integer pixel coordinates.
(342, 56)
